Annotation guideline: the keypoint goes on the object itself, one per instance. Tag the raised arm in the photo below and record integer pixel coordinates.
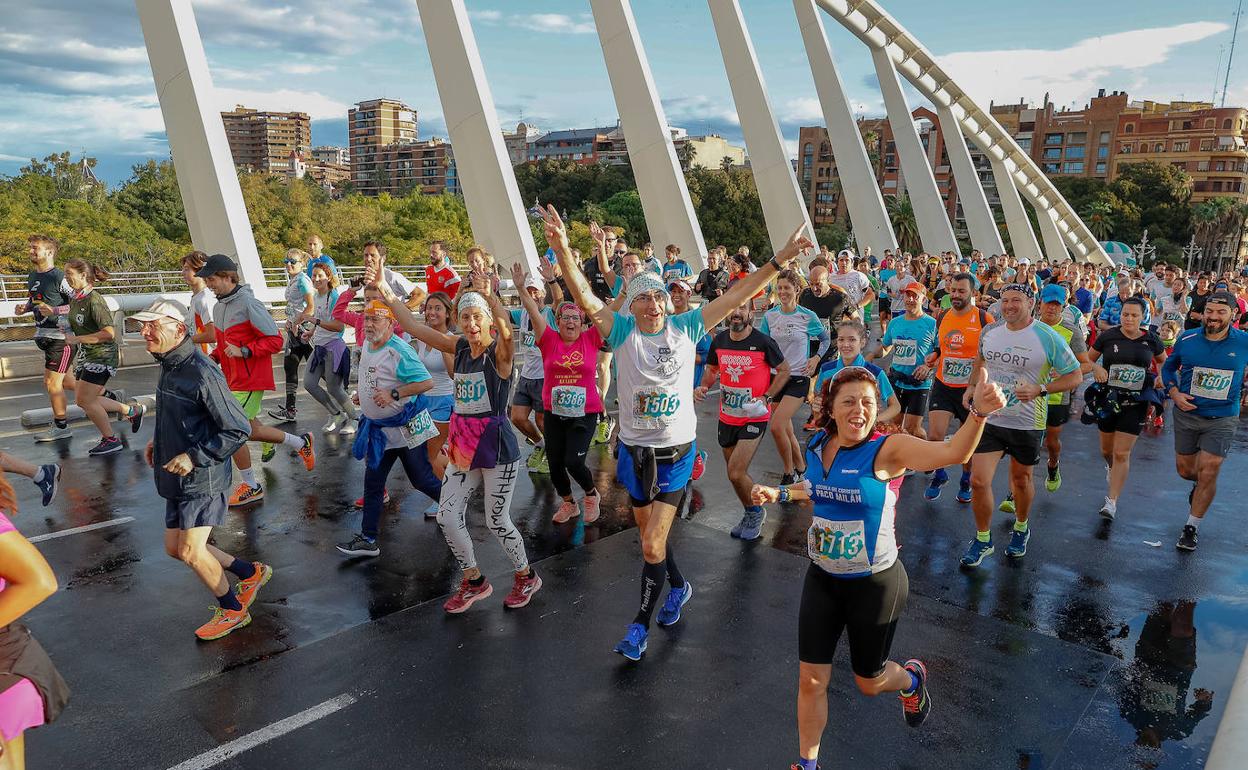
(718, 309)
(426, 334)
(582, 295)
(504, 351)
(604, 262)
(538, 321)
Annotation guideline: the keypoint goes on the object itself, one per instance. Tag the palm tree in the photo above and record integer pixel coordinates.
(1098, 216)
(726, 163)
(905, 226)
(1217, 220)
(687, 154)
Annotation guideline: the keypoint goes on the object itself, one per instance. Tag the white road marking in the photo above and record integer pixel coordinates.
(76, 530)
(237, 746)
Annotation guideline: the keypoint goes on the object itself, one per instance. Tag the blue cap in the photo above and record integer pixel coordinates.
(1054, 293)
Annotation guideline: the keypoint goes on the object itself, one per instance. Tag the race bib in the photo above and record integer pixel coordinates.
(567, 400)
(1127, 377)
(471, 395)
(419, 430)
(838, 547)
(956, 371)
(741, 403)
(1212, 383)
(654, 407)
(905, 353)
(527, 338)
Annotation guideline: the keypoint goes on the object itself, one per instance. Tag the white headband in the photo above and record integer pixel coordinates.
(470, 299)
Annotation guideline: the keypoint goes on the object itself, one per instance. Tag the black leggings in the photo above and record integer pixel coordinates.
(865, 607)
(567, 443)
(296, 351)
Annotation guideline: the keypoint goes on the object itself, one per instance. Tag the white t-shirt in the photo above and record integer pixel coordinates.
(435, 363)
(531, 356)
(323, 310)
(854, 283)
(793, 333)
(202, 304)
(655, 379)
(1026, 356)
(392, 365)
(399, 284)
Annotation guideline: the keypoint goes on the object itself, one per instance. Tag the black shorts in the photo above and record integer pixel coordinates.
(96, 374)
(947, 399)
(913, 401)
(296, 346)
(1059, 415)
(866, 607)
(886, 305)
(729, 435)
(1021, 445)
(1130, 419)
(797, 387)
(195, 512)
(58, 355)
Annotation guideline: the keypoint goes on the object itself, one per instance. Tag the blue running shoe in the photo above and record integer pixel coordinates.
(964, 492)
(976, 553)
(48, 485)
(752, 523)
(1018, 543)
(669, 613)
(939, 479)
(633, 645)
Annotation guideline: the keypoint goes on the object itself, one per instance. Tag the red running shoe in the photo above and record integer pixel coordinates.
(699, 465)
(467, 595)
(522, 590)
(359, 501)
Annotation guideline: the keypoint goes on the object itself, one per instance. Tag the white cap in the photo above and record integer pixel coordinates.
(163, 308)
(1024, 261)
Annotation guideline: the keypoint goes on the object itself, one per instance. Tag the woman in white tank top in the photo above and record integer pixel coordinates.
(437, 311)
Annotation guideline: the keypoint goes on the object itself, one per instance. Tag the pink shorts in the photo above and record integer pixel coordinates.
(21, 708)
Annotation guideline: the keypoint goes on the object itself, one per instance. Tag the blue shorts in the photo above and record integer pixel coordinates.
(439, 407)
(195, 512)
(672, 477)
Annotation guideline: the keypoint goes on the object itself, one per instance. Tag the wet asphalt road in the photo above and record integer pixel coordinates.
(1097, 650)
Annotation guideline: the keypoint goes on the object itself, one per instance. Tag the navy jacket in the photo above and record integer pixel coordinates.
(195, 414)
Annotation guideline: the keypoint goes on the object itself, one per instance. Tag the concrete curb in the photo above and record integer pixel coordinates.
(1230, 745)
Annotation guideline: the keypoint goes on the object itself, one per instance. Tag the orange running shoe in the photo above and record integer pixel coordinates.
(244, 494)
(223, 622)
(307, 453)
(247, 589)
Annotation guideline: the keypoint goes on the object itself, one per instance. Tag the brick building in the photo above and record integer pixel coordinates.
(261, 142)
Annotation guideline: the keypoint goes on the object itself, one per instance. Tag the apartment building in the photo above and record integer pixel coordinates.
(373, 126)
(262, 141)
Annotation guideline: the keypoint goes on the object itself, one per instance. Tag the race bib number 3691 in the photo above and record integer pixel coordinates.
(471, 395)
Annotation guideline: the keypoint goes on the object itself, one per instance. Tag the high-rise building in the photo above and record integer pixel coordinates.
(339, 156)
(261, 142)
(584, 146)
(373, 126)
(1069, 142)
(428, 167)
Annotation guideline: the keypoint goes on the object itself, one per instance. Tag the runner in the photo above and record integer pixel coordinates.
(32, 692)
(742, 359)
(713, 280)
(1022, 355)
(675, 268)
(910, 339)
(48, 299)
(202, 300)
(439, 275)
(793, 328)
(1125, 353)
(527, 399)
(315, 257)
(658, 427)
(247, 338)
(1052, 312)
(330, 363)
(851, 336)
(832, 305)
(91, 331)
(300, 302)
(680, 293)
(395, 422)
(855, 583)
(854, 282)
(958, 330)
(198, 428)
(481, 446)
(1204, 375)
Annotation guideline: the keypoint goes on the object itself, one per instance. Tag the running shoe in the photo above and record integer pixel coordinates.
(916, 706)
(677, 598)
(432, 511)
(810, 426)
(964, 492)
(567, 512)
(633, 645)
(50, 482)
(1109, 509)
(537, 461)
(307, 453)
(1054, 481)
(283, 414)
(752, 523)
(1159, 422)
(593, 504)
(602, 434)
(978, 551)
(107, 446)
(939, 479)
(223, 622)
(349, 427)
(1187, 540)
(699, 466)
(359, 501)
(135, 418)
(335, 422)
(467, 595)
(53, 434)
(244, 494)
(247, 589)
(787, 479)
(1007, 505)
(1018, 543)
(267, 452)
(522, 590)
(359, 546)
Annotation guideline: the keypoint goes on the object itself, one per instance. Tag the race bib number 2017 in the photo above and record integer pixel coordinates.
(904, 353)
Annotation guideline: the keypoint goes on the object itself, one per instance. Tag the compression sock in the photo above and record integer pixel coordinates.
(914, 683)
(673, 572)
(249, 477)
(294, 442)
(984, 537)
(229, 601)
(478, 580)
(243, 569)
(651, 580)
(60, 422)
(1020, 526)
(1193, 522)
(966, 479)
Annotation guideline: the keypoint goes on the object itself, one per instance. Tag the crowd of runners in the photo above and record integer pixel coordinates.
(859, 367)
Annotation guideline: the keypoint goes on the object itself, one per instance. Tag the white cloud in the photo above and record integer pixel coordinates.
(234, 74)
(489, 17)
(304, 68)
(283, 100)
(693, 111)
(1073, 74)
(805, 110)
(12, 158)
(33, 125)
(68, 50)
(554, 22)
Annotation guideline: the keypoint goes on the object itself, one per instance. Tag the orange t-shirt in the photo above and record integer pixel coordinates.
(958, 337)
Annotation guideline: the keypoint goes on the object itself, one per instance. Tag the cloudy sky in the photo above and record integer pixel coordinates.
(74, 74)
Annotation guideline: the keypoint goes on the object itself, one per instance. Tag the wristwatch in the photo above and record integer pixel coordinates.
(1044, 390)
(394, 393)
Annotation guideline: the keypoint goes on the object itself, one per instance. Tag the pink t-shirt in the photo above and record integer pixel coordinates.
(571, 386)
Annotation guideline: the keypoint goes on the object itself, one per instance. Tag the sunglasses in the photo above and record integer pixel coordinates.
(292, 261)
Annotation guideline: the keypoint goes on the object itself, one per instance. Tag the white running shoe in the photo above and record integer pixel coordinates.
(349, 427)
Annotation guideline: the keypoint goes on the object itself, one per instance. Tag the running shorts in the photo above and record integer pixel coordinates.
(672, 477)
(913, 401)
(528, 393)
(947, 399)
(195, 512)
(58, 355)
(439, 406)
(249, 400)
(1059, 415)
(730, 435)
(1193, 433)
(96, 374)
(797, 387)
(1130, 419)
(866, 608)
(1022, 445)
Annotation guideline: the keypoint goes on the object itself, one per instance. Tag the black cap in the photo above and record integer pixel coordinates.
(1222, 298)
(217, 263)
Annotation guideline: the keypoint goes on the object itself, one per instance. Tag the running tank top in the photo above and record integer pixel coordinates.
(435, 361)
(958, 338)
(480, 432)
(851, 531)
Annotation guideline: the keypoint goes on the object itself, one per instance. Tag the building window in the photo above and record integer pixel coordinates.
(1102, 152)
(1077, 138)
(1206, 145)
(1104, 137)
(1126, 149)
(1051, 168)
(1202, 165)
(1076, 152)
(1210, 123)
(1053, 153)
(1073, 168)
(1129, 129)
(1102, 167)
(1179, 165)
(1025, 144)
(1053, 138)
(1181, 146)
(1226, 124)
(1219, 166)
(1159, 147)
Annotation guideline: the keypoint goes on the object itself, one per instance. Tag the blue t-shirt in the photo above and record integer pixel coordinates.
(703, 349)
(1111, 313)
(851, 531)
(912, 341)
(1212, 373)
(1083, 300)
(885, 275)
(674, 271)
(832, 367)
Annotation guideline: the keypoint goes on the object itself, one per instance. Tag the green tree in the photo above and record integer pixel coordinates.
(905, 225)
(687, 154)
(151, 194)
(1099, 217)
(1219, 224)
(1161, 194)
